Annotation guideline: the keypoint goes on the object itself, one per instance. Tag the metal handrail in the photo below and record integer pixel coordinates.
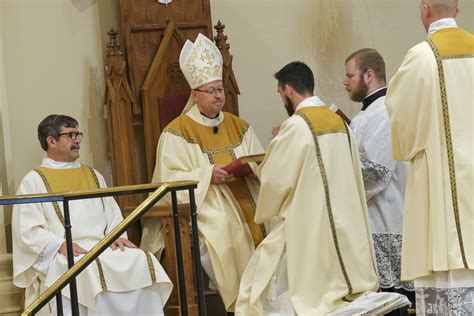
(135, 215)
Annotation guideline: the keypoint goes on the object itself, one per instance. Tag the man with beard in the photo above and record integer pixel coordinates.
(384, 178)
(119, 282)
(196, 146)
(318, 255)
(430, 101)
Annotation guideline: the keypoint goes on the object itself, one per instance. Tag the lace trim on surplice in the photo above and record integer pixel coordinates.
(439, 301)
(388, 249)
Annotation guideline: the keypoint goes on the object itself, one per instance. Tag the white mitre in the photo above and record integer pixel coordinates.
(201, 63)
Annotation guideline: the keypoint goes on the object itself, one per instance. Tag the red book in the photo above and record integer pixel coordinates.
(240, 167)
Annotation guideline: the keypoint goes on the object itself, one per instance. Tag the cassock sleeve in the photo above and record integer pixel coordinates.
(254, 147)
(30, 232)
(178, 160)
(280, 169)
(410, 102)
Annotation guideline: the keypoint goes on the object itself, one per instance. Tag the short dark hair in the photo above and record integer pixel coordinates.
(369, 58)
(51, 126)
(298, 75)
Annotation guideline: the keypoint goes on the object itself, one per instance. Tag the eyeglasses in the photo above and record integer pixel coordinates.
(212, 91)
(73, 135)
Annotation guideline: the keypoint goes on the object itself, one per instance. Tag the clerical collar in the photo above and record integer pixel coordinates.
(211, 121)
(441, 24)
(368, 100)
(311, 101)
(53, 164)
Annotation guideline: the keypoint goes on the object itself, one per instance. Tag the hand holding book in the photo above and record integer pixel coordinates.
(240, 167)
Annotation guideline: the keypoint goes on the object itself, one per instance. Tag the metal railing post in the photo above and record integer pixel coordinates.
(197, 255)
(179, 256)
(70, 258)
(59, 304)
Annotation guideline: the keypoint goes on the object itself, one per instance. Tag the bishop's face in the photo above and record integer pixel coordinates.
(210, 98)
(354, 82)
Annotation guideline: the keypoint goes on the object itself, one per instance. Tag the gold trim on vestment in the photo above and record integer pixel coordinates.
(449, 147)
(328, 198)
(206, 144)
(179, 134)
(209, 151)
(151, 267)
(103, 284)
(56, 207)
(96, 180)
(456, 57)
(244, 198)
(61, 218)
(219, 152)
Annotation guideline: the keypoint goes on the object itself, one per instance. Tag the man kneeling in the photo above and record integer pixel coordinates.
(124, 279)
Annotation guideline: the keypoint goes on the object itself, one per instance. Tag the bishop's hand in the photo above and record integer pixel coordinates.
(219, 175)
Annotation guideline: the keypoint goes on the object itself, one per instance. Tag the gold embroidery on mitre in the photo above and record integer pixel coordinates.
(200, 62)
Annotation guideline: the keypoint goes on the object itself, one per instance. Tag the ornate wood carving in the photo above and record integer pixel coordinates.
(228, 77)
(144, 22)
(164, 92)
(118, 102)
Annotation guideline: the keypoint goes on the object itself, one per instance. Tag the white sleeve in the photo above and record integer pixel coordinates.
(47, 255)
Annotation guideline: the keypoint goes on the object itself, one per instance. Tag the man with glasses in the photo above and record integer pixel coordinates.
(127, 280)
(196, 146)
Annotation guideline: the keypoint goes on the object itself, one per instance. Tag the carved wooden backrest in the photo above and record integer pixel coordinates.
(144, 23)
(118, 102)
(166, 91)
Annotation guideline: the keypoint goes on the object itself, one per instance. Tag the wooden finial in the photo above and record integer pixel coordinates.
(113, 46)
(221, 42)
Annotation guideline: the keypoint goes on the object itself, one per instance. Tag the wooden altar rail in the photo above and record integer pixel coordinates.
(74, 269)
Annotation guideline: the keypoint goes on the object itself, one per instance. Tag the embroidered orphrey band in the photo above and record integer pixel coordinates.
(103, 284)
(449, 147)
(328, 200)
(57, 209)
(151, 267)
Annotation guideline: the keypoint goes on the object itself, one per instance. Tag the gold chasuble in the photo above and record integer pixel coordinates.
(188, 150)
(431, 104)
(312, 193)
(219, 148)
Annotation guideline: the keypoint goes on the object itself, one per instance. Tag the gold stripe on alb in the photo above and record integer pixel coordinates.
(151, 267)
(57, 209)
(328, 199)
(103, 284)
(449, 148)
(96, 180)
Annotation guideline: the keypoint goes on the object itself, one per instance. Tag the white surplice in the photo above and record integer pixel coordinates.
(372, 128)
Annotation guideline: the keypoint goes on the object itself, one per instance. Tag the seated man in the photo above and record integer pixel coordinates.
(128, 280)
(196, 146)
(318, 255)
